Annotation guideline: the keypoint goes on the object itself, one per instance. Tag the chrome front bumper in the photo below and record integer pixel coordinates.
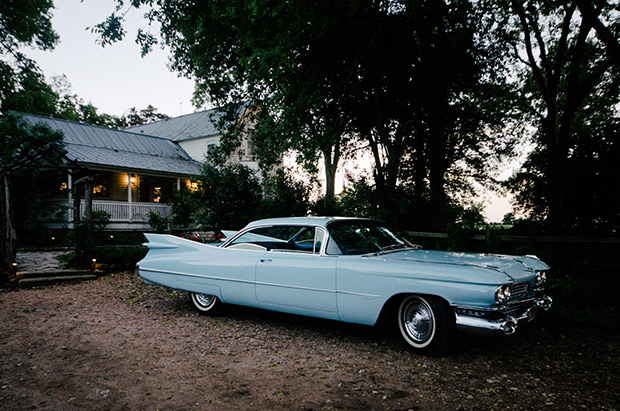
(507, 325)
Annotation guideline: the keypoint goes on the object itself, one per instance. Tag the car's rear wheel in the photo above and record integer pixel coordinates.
(426, 324)
(206, 304)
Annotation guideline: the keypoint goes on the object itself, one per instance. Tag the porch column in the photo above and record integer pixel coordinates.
(70, 196)
(130, 214)
(178, 184)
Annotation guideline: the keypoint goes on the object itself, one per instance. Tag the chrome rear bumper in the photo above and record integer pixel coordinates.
(504, 326)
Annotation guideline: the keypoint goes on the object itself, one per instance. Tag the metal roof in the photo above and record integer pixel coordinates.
(188, 126)
(116, 148)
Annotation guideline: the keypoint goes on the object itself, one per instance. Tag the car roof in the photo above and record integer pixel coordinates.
(312, 221)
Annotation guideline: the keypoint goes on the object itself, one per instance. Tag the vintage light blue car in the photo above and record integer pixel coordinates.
(352, 270)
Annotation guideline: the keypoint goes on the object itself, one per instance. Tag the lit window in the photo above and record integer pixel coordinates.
(156, 194)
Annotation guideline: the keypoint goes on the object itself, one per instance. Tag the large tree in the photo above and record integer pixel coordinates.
(404, 76)
(430, 96)
(568, 78)
(22, 23)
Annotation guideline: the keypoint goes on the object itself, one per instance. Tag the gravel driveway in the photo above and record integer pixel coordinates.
(115, 343)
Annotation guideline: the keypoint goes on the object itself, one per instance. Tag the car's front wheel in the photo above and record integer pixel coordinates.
(426, 324)
(206, 304)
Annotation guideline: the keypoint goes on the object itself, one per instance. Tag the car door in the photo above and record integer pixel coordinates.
(298, 281)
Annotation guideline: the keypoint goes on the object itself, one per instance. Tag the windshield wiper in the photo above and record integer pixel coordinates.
(393, 247)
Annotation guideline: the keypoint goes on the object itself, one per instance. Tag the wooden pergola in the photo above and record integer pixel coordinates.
(49, 158)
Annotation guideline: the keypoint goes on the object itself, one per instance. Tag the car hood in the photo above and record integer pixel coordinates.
(517, 268)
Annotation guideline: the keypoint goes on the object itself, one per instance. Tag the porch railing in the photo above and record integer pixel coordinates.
(124, 212)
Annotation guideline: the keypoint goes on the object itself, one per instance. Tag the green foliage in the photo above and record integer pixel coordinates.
(570, 90)
(419, 83)
(101, 219)
(22, 23)
(34, 95)
(108, 258)
(360, 200)
(285, 196)
(438, 91)
(22, 140)
(84, 238)
(229, 196)
(117, 257)
(184, 204)
(134, 117)
(158, 222)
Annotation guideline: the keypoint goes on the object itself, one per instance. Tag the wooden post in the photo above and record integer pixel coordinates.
(8, 234)
(129, 201)
(76, 214)
(88, 217)
(69, 196)
(84, 235)
(88, 203)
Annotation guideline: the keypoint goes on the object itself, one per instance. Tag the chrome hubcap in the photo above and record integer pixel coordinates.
(205, 300)
(417, 318)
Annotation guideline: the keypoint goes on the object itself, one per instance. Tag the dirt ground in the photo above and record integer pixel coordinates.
(115, 343)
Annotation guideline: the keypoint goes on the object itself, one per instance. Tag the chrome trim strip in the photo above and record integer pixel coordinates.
(154, 270)
(234, 280)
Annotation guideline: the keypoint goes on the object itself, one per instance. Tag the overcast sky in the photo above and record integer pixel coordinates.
(113, 78)
(116, 78)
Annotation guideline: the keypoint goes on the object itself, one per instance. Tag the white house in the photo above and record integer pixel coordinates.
(198, 133)
(134, 173)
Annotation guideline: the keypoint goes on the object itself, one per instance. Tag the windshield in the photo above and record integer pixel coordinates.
(362, 237)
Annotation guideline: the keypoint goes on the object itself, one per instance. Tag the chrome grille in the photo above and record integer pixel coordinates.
(517, 309)
(518, 291)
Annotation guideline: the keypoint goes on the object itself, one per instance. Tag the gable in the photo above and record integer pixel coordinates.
(189, 126)
(101, 146)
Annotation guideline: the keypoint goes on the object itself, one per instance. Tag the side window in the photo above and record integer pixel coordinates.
(301, 239)
(332, 247)
(319, 237)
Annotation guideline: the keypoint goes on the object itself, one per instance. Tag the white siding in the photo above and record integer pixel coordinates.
(197, 148)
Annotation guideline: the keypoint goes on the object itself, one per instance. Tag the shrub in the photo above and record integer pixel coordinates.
(158, 222)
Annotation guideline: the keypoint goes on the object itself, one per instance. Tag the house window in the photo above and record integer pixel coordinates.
(101, 188)
(210, 147)
(249, 145)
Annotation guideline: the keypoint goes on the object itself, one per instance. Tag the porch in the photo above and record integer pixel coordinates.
(127, 198)
(121, 212)
(123, 215)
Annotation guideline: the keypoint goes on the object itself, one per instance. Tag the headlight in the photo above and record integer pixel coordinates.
(502, 294)
(541, 277)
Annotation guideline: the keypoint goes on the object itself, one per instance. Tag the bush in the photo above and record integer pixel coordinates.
(229, 197)
(158, 222)
(285, 196)
(184, 204)
(108, 258)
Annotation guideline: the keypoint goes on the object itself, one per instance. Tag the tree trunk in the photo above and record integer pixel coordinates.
(8, 233)
(555, 173)
(437, 152)
(331, 157)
